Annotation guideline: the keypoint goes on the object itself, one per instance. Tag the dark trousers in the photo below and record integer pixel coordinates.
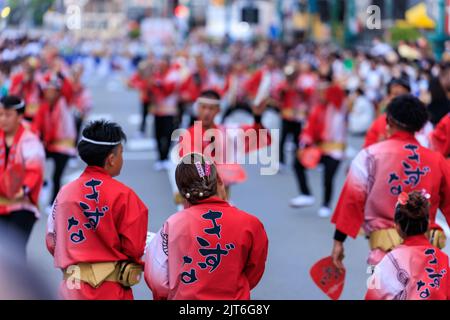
(293, 128)
(238, 106)
(144, 113)
(60, 160)
(164, 127)
(331, 165)
(16, 227)
(78, 124)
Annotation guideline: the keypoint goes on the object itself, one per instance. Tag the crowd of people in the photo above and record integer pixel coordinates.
(397, 97)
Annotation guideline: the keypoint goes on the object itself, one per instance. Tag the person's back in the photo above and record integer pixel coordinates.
(209, 251)
(98, 226)
(414, 270)
(94, 212)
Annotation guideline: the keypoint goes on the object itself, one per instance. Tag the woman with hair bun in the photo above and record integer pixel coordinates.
(415, 270)
(210, 250)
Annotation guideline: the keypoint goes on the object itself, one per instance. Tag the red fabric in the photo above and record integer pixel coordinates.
(231, 276)
(33, 171)
(139, 83)
(29, 91)
(252, 84)
(192, 87)
(380, 172)
(26, 163)
(118, 235)
(54, 124)
(440, 137)
(413, 271)
(190, 145)
(315, 126)
(377, 132)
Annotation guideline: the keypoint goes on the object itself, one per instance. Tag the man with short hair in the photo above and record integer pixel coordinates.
(98, 226)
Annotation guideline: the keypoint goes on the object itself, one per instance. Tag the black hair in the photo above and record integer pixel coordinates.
(212, 94)
(408, 113)
(190, 185)
(399, 82)
(104, 131)
(11, 102)
(413, 216)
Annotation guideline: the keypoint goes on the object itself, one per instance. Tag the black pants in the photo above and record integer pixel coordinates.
(164, 127)
(293, 128)
(16, 227)
(60, 161)
(331, 166)
(78, 124)
(144, 113)
(238, 106)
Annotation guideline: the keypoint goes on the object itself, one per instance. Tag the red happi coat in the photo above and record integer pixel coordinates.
(166, 97)
(327, 127)
(440, 137)
(56, 127)
(255, 82)
(378, 132)
(229, 169)
(293, 106)
(193, 86)
(118, 233)
(29, 91)
(380, 173)
(210, 251)
(414, 270)
(24, 168)
(139, 83)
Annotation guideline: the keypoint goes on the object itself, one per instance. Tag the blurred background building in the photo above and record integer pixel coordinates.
(342, 21)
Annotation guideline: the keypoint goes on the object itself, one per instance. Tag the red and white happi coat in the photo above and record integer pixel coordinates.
(166, 93)
(221, 143)
(56, 127)
(293, 105)
(28, 91)
(440, 137)
(96, 219)
(327, 126)
(209, 251)
(26, 161)
(262, 84)
(379, 174)
(414, 270)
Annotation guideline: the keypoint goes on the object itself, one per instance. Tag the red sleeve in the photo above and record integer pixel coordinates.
(256, 262)
(34, 155)
(67, 90)
(444, 191)
(376, 132)
(440, 137)
(349, 213)
(38, 122)
(15, 85)
(133, 227)
(313, 129)
(252, 84)
(259, 140)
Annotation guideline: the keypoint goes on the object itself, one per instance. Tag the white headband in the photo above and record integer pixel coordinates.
(19, 105)
(101, 143)
(208, 101)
